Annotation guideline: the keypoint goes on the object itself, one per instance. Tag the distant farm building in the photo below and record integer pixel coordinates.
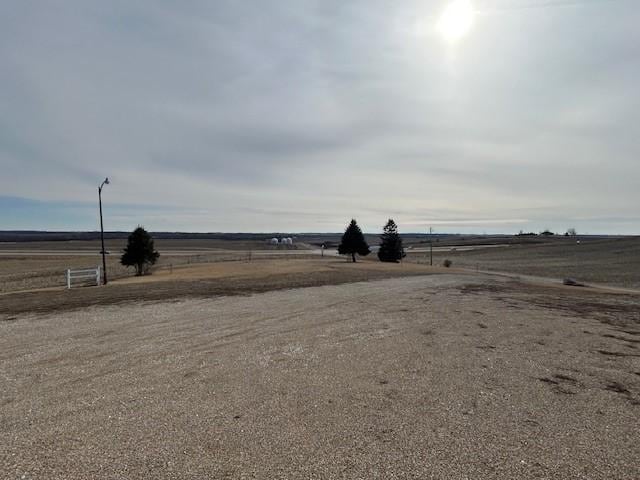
(280, 241)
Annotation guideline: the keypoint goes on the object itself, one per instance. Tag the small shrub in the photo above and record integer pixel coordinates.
(447, 263)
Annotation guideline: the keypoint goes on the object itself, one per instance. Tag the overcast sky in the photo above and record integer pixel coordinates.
(296, 115)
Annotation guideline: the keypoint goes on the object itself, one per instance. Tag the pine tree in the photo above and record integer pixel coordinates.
(353, 242)
(391, 244)
(139, 252)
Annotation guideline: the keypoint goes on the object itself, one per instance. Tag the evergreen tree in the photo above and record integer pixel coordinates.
(139, 252)
(353, 242)
(391, 244)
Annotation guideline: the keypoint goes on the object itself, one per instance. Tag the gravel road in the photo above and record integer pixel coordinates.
(431, 377)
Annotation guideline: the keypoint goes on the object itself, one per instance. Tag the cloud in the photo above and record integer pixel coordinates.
(304, 114)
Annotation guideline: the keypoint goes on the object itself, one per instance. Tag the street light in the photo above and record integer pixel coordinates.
(104, 260)
(431, 246)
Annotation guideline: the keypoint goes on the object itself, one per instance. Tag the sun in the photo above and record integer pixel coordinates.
(456, 20)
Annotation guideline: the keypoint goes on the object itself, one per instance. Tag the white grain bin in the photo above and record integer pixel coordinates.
(274, 241)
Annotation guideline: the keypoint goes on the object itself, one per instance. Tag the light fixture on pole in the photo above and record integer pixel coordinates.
(431, 246)
(104, 260)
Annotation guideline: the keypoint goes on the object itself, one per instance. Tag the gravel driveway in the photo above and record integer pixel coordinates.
(444, 377)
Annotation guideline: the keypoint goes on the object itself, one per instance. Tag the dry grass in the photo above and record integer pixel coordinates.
(207, 280)
(25, 272)
(29, 272)
(611, 262)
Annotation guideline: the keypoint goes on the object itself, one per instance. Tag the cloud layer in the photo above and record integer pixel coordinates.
(298, 115)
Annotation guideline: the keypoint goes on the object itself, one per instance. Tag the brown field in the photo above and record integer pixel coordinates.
(36, 265)
(116, 245)
(609, 262)
(615, 262)
(298, 366)
(208, 280)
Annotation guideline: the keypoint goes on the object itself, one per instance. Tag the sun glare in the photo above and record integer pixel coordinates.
(456, 20)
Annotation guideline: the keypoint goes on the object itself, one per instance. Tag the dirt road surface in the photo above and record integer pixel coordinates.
(431, 377)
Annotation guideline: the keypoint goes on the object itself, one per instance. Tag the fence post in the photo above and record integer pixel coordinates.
(68, 279)
(98, 276)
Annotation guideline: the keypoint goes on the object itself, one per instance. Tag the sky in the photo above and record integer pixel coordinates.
(298, 115)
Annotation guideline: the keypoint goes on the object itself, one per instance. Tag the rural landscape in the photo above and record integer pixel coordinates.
(320, 240)
(236, 358)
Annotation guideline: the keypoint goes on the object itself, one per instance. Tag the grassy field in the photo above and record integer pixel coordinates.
(616, 262)
(208, 280)
(36, 265)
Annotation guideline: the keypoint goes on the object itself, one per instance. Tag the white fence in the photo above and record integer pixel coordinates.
(84, 274)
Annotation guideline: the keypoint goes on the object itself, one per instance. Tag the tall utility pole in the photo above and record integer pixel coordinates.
(431, 246)
(104, 260)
